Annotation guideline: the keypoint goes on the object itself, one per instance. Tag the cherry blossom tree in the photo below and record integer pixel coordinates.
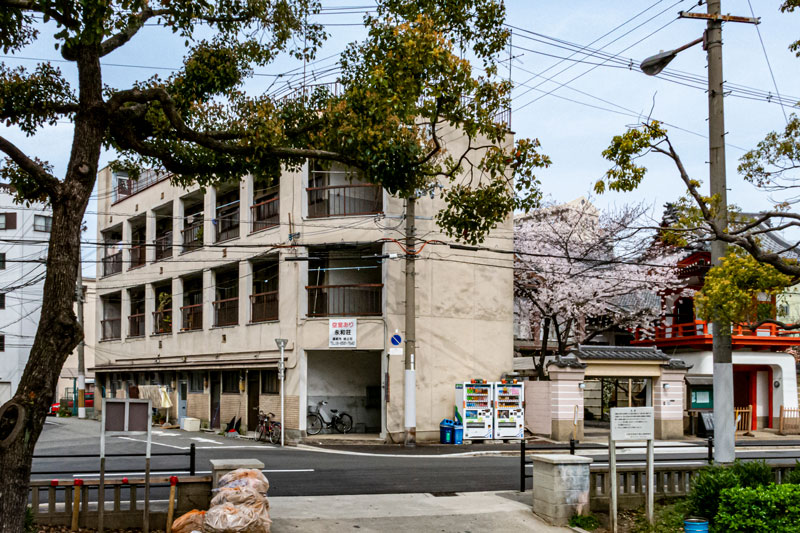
(581, 273)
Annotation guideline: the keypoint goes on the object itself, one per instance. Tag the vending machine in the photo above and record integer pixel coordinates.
(509, 410)
(474, 408)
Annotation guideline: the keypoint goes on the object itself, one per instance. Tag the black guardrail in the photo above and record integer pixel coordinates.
(191, 454)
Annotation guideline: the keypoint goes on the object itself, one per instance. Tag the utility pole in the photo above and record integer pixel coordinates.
(81, 365)
(410, 396)
(724, 431)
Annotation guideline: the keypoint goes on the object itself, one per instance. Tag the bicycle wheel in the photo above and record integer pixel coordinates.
(275, 433)
(261, 433)
(344, 423)
(313, 424)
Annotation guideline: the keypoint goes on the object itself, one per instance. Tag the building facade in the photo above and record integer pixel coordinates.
(195, 286)
(68, 380)
(24, 232)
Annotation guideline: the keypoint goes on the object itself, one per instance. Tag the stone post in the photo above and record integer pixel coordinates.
(669, 393)
(565, 395)
(560, 486)
(220, 467)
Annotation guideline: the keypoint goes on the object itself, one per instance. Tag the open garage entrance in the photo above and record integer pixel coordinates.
(349, 381)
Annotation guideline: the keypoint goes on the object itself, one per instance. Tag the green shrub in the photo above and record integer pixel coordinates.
(772, 508)
(668, 519)
(793, 476)
(703, 499)
(28, 526)
(753, 473)
(584, 521)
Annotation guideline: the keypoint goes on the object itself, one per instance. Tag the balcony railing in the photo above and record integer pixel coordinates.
(228, 226)
(112, 264)
(162, 322)
(265, 215)
(264, 306)
(345, 300)
(192, 236)
(344, 200)
(111, 328)
(192, 317)
(699, 332)
(136, 325)
(226, 312)
(128, 187)
(163, 246)
(138, 256)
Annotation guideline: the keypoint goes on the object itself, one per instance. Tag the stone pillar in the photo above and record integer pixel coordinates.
(209, 296)
(245, 290)
(560, 486)
(566, 395)
(669, 393)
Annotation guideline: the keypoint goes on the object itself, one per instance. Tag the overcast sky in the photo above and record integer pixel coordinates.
(576, 111)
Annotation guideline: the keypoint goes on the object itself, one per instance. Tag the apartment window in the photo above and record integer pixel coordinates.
(2, 261)
(42, 223)
(269, 382)
(8, 221)
(2, 300)
(2, 343)
(196, 381)
(230, 382)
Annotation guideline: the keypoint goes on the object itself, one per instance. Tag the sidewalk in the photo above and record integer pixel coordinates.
(451, 513)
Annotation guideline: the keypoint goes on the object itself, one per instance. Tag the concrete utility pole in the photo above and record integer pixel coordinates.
(81, 365)
(410, 396)
(724, 431)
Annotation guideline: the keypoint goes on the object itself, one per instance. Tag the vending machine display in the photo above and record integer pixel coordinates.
(474, 409)
(509, 412)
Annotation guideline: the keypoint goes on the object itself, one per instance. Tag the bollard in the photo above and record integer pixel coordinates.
(710, 450)
(572, 446)
(192, 459)
(522, 465)
(76, 503)
(173, 481)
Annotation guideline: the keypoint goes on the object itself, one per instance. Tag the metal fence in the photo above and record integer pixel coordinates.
(112, 264)
(226, 312)
(363, 299)
(162, 321)
(192, 317)
(136, 325)
(265, 215)
(264, 306)
(344, 200)
(192, 236)
(163, 246)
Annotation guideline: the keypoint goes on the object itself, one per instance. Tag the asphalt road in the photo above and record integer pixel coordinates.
(306, 471)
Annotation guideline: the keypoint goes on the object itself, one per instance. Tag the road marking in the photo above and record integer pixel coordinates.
(164, 434)
(244, 447)
(157, 443)
(201, 439)
(184, 472)
(307, 448)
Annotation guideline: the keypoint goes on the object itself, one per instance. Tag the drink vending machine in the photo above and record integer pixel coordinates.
(509, 410)
(474, 408)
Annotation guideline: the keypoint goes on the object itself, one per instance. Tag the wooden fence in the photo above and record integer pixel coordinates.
(670, 482)
(743, 417)
(789, 422)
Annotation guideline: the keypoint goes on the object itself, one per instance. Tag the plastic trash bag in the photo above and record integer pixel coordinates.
(245, 477)
(191, 521)
(240, 496)
(229, 518)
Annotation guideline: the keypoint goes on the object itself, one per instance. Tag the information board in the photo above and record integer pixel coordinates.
(632, 423)
(342, 333)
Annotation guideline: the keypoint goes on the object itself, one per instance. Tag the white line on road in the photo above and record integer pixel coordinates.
(157, 443)
(201, 439)
(182, 472)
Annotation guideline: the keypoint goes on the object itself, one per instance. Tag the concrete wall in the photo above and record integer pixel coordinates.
(538, 405)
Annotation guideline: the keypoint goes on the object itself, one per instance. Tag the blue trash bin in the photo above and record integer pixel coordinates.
(458, 434)
(446, 431)
(695, 525)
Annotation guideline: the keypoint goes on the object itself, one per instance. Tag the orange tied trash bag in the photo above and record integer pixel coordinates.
(240, 496)
(245, 477)
(229, 518)
(191, 521)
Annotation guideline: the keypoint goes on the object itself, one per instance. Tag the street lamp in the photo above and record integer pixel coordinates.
(653, 65)
(281, 376)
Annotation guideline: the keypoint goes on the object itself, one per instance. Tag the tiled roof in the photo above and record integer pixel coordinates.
(630, 353)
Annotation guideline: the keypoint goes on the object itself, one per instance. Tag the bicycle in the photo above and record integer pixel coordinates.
(266, 426)
(341, 422)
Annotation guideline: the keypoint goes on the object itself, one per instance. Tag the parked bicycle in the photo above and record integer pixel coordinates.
(315, 422)
(267, 426)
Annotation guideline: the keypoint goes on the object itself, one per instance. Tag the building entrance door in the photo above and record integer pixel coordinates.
(252, 400)
(216, 389)
(183, 393)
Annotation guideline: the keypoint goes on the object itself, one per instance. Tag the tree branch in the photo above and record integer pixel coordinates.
(30, 5)
(127, 33)
(44, 179)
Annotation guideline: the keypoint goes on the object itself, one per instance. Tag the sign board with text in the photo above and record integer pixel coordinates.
(632, 423)
(342, 333)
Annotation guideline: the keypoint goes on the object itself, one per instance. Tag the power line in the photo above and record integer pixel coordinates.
(769, 65)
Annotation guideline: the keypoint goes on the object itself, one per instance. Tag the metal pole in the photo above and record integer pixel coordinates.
(724, 432)
(193, 459)
(81, 366)
(650, 480)
(522, 465)
(612, 472)
(282, 373)
(410, 396)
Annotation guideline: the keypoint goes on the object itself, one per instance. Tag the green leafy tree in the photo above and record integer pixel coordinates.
(403, 89)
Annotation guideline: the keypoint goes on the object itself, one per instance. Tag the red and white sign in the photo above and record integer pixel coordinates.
(342, 332)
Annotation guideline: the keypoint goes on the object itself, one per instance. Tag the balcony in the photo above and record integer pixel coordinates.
(265, 214)
(136, 325)
(128, 187)
(163, 246)
(363, 299)
(344, 200)
(264, 306)
(192, 236)
(112, 264)
(698, 335)
(111, 329)
(228, 226)
(162, 322)
(226, 312)
(192, 317)
(138, 256)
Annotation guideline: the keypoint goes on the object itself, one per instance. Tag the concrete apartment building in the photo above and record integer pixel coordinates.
(195, 286)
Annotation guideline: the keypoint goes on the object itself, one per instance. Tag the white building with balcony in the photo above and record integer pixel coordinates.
(194, 287)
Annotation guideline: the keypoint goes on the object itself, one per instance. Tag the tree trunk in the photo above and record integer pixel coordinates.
(58, 332)
(543, 352)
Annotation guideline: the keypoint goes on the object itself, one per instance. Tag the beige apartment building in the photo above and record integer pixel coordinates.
(195, 286)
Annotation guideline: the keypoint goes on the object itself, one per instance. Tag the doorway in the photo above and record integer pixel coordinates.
(252, 400)
(216, 390)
